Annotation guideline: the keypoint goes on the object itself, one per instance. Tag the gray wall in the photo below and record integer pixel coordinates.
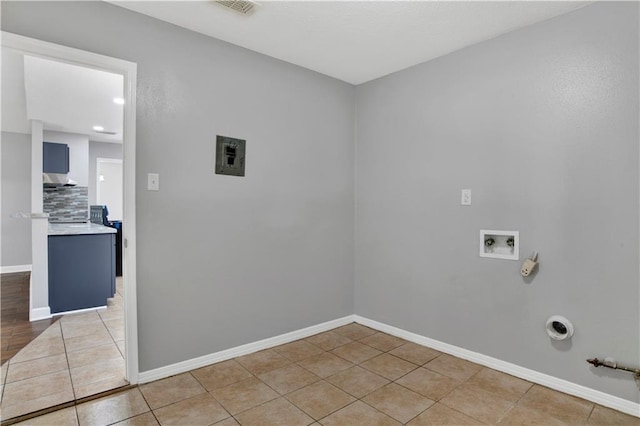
(542, 125)
(15, 149)
(100, 150)
(224, 261)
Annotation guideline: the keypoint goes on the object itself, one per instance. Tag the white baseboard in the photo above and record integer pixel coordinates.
(79, 311)
(561, 385)
(14, 268)
(39, 314)
(203, 361)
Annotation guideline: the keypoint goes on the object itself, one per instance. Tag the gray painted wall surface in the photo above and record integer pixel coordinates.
(542, 125)
(100, 150)
(16, 198)
(224, 261)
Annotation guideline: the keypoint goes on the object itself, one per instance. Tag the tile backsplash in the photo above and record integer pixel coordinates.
(67, 203)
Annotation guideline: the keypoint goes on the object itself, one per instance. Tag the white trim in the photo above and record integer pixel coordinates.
(37, 314)
(191, 364)
(561, 385)
(128, 70)
(129, 223)
(14, 268)
(39, 277)
(79, 311)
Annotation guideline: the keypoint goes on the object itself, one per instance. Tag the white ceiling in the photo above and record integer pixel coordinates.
(67, 98)
(355, 41)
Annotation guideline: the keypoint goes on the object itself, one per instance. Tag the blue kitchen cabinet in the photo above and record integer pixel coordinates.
(82, 271)
(55, 158)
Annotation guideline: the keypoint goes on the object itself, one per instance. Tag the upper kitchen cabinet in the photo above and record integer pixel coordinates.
(55, 158)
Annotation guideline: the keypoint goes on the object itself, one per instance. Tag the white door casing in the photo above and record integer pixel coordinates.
(128, 70)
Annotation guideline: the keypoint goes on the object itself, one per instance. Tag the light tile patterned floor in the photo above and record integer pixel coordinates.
(77, 356)
(351, 375)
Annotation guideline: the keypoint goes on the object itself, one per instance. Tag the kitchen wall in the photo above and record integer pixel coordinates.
(66, 204)
(542, 125)
(100, 150)
(15, 150)
(70, 204)
(231, 260)
(78, 153)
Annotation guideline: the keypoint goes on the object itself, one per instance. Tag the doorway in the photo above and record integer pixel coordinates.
(109, 186)
(126, 209)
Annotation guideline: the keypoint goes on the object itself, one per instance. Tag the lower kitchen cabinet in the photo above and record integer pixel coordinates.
(81, 271)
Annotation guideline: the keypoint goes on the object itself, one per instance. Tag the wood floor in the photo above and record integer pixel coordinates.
(16, 330)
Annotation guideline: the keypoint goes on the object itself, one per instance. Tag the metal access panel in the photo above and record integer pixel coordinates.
(230, 156)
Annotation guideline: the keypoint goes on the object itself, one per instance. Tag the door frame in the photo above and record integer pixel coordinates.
(128, 70)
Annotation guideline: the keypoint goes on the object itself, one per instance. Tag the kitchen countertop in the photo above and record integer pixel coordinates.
(79, 229)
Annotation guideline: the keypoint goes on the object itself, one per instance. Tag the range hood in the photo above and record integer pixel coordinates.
(55, 180)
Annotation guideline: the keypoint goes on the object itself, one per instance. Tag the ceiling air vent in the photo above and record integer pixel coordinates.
(242, 6)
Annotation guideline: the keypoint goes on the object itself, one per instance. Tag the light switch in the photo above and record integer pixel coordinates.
(153, 182)
(465, 198)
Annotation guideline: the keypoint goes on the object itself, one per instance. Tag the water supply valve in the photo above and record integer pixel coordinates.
(611, 363)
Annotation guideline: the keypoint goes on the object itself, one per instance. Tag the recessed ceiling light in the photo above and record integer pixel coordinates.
(98, 128)
(119, 101)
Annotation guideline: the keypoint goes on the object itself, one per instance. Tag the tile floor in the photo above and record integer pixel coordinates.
(351, 375)
(17, 331)
(77, 356)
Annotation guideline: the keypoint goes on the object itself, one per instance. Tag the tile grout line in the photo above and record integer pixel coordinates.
(398, 384)
(67, 363)
(356, 399)
(66, 356)
(404, 387)
(148, 405)
(75, 410)
(513, 404)
(108, 331)
(517, 402)
(211, 395)
(56, 323)
(593, 408)
(2, 392)
(283, 396)
(356, 364)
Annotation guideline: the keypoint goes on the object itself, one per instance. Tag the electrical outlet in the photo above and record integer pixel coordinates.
(529, 264)
(465, 198)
